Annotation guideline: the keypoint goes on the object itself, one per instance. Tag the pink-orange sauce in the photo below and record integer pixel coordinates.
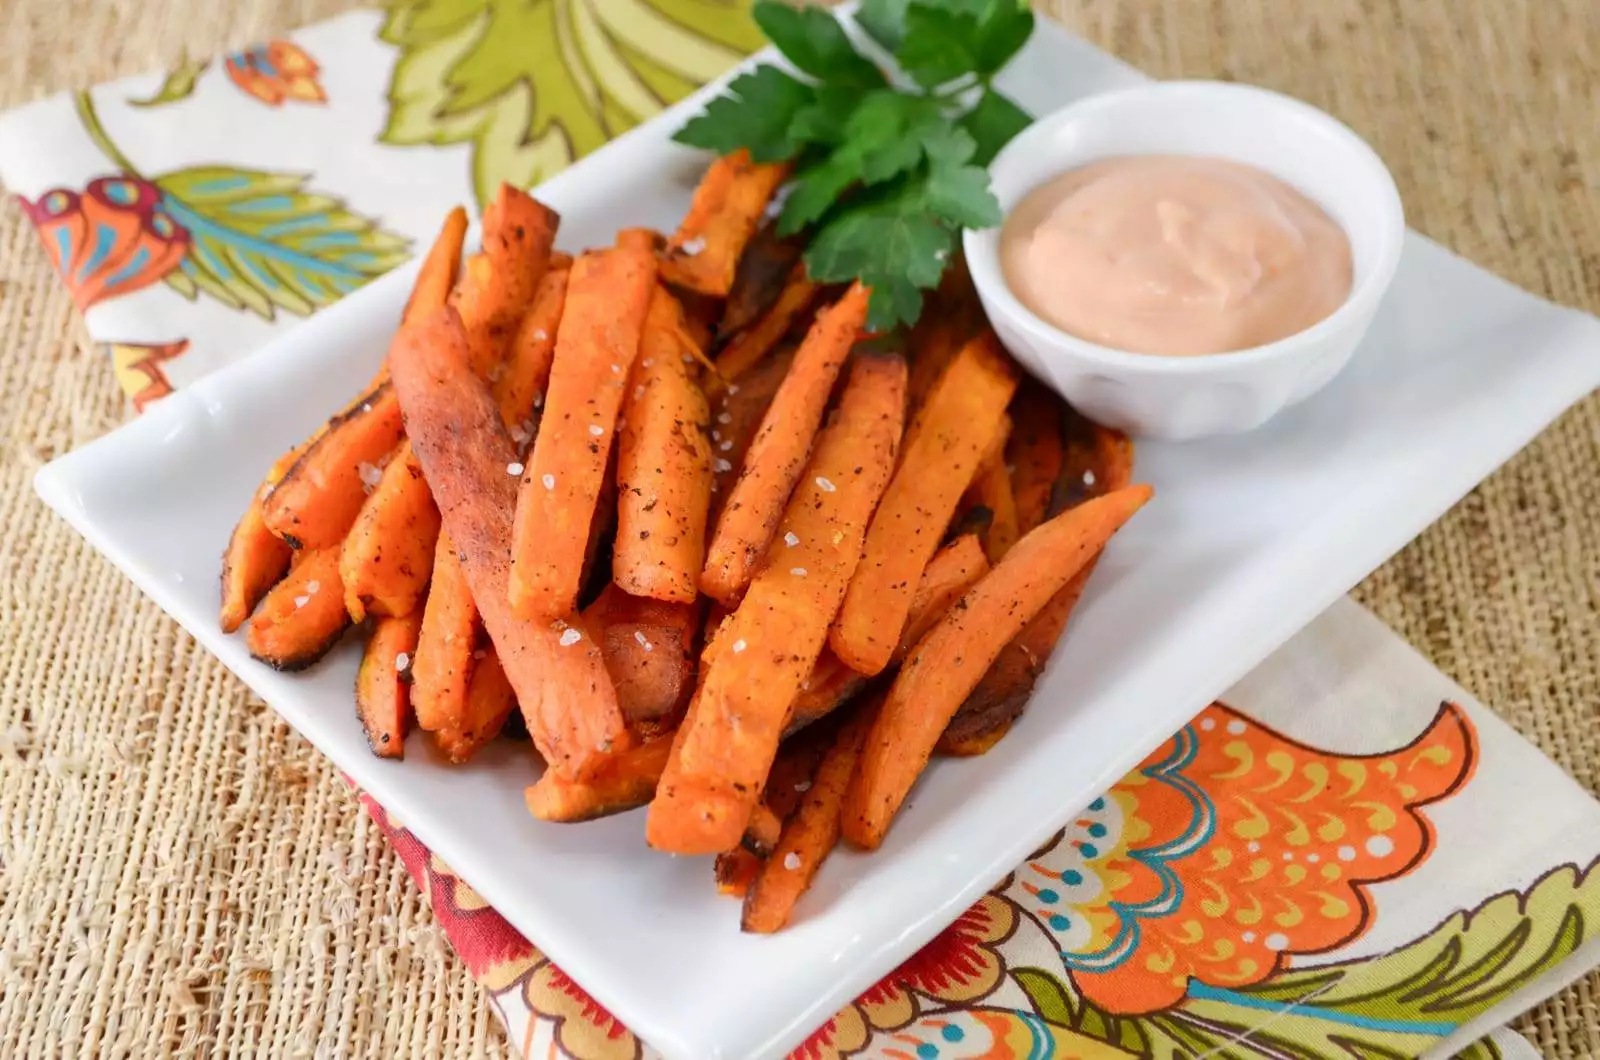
(1174, 255)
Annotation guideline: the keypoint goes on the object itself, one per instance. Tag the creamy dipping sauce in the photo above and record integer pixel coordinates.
(1174, 255)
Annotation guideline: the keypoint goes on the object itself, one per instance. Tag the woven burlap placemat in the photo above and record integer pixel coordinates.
(182, 874)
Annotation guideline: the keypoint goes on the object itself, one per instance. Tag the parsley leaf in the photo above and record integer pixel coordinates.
(992, 123)
(886, 179)
(814, 41)
(884, 21)
(755, 114)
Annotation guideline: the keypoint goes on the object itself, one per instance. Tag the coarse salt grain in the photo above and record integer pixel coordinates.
(725, 418)
(402, 661)
(824, 485)
(803, 787)
(596, 430)
(727, 443)
(723, 465)
(693, 246)
(370, 474)
(791, 861)
(312, 587)
(540, 335)
(733, 388)
(569, 637)
(514, 468)
(648, 361)
(518, 435)
(549, 481)
(798, 572)
(791, 539)
(738, 646)
(617, 368)
(644, 641)
(301, 601)
(1088, 478)
(538, 401)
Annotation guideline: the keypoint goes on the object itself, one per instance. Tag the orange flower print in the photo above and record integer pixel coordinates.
(276, 71)
(960, 966)
(115, 238)
(1230, 850)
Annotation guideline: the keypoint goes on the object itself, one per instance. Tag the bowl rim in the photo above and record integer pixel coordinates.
(981, 246)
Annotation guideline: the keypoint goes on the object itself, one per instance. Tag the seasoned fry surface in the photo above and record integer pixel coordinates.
(608, 296)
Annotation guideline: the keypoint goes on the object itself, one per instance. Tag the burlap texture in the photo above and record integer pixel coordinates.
(181, 874)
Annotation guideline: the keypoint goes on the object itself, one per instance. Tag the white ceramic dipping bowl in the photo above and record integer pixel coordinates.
(1193, 397)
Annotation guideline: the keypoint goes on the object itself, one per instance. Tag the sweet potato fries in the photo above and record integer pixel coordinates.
(731, 558)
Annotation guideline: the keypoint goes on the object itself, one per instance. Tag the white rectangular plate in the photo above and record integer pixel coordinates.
(1247, 540)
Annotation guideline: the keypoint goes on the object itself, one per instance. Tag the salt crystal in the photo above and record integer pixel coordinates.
(738, 646)
(518, 435)
(596, 430)
(514, 468)
(733, 388)
(648, 361)
(569, 637)
(370, 474)
(1088, 478)
(402, 661)
(693, 246)
(824, 485)
(791, 539)
(726, 417)
(540, 334)
(301, 601)
(722, 465)
(726, 445)
(791, 861)
(798, 572)
(549, 481)
(617, 368)
(538, 401)
(312, 587)
(803, 787)
(644, 642)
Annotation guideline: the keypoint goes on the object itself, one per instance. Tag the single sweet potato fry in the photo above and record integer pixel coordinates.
(556, 668)
(703, 255)
(387, 559)
(949, 661)
(764, 269)
(625, 782)
(383, 684)
(663, 467)
(649, 652)
(490, 701)
(520, 386)
(302, 617)
(749, 346)
(764, 652)
(608, 295)
(961, 417)
(1091, 462)
(317, 500)
(438, 273)
(777, 454)
(498, 283)
(441, 669)
(807, 838)
(950, 573)
(255, 557)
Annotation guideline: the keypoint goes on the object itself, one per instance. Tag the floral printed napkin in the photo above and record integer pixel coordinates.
(1345, 857)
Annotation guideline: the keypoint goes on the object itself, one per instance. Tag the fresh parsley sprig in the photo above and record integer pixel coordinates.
(885, 177)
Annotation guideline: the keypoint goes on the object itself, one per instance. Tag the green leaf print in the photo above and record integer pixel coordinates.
(262, 242)
(531, 85)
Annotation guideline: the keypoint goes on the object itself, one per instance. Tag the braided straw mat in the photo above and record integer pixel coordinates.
(182, 874)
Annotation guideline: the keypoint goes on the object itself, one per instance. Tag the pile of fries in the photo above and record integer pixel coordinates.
(722, 554)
